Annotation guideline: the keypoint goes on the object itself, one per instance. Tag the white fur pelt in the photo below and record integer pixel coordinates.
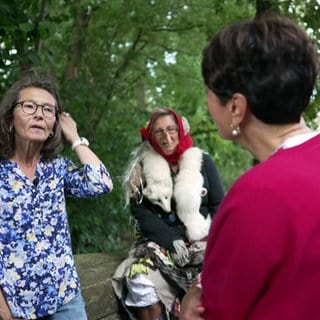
(187, 192)
(150, 172)
(158, 179)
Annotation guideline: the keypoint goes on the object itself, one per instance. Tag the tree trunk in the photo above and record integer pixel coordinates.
(263, 6)
(76, 43)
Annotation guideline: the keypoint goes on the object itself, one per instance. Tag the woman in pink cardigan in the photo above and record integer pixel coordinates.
(262, 259)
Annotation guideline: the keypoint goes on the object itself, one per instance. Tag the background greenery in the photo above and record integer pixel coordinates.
(115, 61)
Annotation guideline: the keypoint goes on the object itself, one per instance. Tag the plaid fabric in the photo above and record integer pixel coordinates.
(180, 278)
(150, 256)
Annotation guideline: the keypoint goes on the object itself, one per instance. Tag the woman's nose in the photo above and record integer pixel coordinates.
(167, 136)
(39, 113)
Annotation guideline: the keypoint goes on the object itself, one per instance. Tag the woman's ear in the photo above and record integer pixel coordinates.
(186, 125)
(238, 107)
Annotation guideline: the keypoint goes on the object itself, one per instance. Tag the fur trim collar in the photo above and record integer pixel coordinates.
(153, 171)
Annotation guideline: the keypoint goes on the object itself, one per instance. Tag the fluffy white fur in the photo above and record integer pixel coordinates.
(187, 192)
(158, 179)
(154, 172)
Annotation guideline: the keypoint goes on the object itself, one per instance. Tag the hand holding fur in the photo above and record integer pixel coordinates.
(181, 253)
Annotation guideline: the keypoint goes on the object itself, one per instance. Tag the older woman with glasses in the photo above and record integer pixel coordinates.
(38, 278)
(173, 190)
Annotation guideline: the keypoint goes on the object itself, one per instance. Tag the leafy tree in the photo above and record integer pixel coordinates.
(115, 61)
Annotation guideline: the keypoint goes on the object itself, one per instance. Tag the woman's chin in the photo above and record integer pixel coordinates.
(168, 152)
(168, 149)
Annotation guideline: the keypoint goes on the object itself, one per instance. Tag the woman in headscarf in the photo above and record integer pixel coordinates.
(173, 190)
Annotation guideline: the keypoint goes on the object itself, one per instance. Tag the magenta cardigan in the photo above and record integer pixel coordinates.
(263, 254)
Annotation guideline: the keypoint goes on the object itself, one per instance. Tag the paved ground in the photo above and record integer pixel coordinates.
(95, 270)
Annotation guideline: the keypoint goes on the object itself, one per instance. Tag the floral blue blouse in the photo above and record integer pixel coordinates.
(37, 271)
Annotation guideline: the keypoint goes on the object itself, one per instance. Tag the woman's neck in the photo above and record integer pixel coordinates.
(27, 163)
(263, 140)
(174, 167)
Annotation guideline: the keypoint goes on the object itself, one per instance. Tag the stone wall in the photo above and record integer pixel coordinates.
(95, 271)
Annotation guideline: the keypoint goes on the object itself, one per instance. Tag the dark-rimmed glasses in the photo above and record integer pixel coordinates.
(30, 107)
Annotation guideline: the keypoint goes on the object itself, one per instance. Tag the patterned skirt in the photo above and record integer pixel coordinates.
(171, 282)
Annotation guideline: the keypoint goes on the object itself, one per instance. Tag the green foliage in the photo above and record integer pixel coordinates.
(115, 61)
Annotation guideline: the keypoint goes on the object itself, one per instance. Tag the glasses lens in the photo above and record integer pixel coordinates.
(172, 130)
(158, 132)
(29, 107)
(49, 111)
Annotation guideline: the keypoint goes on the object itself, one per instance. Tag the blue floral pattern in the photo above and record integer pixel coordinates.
(37, 271)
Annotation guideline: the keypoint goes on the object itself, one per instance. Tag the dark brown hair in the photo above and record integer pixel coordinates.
(271, 60)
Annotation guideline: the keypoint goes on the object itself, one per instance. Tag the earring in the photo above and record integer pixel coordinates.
(235, 131)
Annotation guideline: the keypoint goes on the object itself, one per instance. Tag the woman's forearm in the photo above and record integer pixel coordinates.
(87, 156)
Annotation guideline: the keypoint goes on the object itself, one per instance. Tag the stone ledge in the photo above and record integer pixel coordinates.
(95, 271)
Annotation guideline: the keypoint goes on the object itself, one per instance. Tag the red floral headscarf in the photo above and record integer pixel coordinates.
(185, 140)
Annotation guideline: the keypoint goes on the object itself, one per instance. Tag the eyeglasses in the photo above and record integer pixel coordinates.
(30, 107)
(169, 130)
